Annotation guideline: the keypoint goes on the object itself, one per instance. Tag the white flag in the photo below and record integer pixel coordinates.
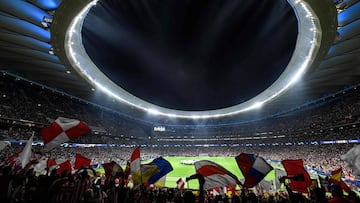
(278, 174)
(25, 155)
(266, 185)
(40, 168)
(352, 157)
(3, 144)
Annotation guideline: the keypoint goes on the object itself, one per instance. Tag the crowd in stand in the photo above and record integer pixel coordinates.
(20, 102)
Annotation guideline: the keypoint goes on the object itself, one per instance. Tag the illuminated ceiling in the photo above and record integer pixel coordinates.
(25, 46)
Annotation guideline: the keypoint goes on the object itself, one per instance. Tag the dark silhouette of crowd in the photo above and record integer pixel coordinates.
(87, 185)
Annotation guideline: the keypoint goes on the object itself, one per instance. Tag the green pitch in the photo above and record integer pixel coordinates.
(183, 171)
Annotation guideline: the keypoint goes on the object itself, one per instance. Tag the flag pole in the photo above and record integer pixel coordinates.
(141, 176)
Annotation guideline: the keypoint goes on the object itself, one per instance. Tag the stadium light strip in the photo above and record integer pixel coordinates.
(306, 49)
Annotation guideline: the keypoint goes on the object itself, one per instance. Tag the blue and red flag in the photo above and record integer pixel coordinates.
(253, 168)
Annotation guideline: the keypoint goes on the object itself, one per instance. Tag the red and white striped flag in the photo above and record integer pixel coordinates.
(216, 191)
(215, 175)
(63, 130)
(180, 184)
(135, 167)
(135, 161)
(12, 159)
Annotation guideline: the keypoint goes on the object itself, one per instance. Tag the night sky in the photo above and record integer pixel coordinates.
(191, 54)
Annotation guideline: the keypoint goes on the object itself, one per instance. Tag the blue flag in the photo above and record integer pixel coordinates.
(164, 167)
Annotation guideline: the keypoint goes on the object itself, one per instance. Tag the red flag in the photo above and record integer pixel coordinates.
(81, 161)
(135, 161)
(335, 178)
(65, 166)
(51, 163)
(135, 167)
(63, 130)
(299, 178)
(180, 184)
(232, 188)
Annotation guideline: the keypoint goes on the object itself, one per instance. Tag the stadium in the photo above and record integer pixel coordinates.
(129, 101)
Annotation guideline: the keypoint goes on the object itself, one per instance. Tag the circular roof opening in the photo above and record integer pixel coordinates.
(192, 55)
(306, 52)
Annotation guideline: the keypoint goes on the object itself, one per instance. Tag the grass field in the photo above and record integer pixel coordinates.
(183, 171)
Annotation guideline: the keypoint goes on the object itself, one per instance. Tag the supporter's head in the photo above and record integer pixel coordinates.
(189, 197)
(318, 194)
(336, 191)
(352, 195)
(83, 174)
(5, 170)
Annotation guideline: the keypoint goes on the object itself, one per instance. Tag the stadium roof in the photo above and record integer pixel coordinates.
(33, 46)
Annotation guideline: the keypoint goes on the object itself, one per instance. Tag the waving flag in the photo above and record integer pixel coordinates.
(112, 168)
(65, 166)
(265, 185)
(146, 171)
(152, 172)
(335, 178)
(3, 144)
(278, 174)
(180, 184)
(352, 157)
(215, 175)
(81, 161)
(253, 168)
(12, 159)
(135, 167)
(25, 155)
(164, 168)
(63, 130)
(135, 161)
(51, 164)
(40, 167)
(216, 191)
(161, 182)
(299, 178)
